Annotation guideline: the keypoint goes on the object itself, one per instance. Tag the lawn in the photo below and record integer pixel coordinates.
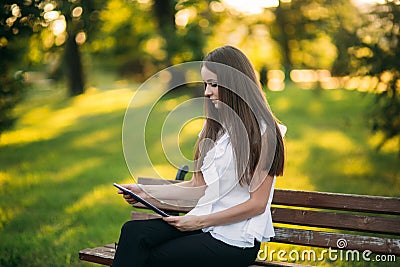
(58, 163)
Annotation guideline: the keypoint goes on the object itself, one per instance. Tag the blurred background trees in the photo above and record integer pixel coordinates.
(71, 40)
(302, 28)
(377, 54)
(80, 18)
(18, 21)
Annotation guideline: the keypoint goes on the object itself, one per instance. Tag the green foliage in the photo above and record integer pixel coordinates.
(377, 54)
(138, 38)
(127, 42)
(345, 21)
(11, 93)
(18, 20)
(386, 115)
(302, 27)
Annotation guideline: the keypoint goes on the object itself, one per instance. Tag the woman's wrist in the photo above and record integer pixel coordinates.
(204, 221)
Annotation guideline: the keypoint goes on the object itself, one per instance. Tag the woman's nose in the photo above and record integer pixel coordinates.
(207, 91)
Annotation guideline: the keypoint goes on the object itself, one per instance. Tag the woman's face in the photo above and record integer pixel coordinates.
(210, 85)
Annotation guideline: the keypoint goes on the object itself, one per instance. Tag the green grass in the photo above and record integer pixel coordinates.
(58, 163)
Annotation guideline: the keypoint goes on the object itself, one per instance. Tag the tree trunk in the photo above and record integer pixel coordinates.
(73, 67)
(164, 11)
(283, 40)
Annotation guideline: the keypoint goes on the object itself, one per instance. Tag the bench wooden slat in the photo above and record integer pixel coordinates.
(173, 204)
(380, 245)
(137, 215)
(178, 206)
(298, 198)
(334, 220)
(156, 181)
(101, 255)
(362, 203)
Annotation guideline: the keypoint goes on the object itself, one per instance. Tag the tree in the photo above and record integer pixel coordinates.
(164, 13)
(302, 27)
(127, 41)
(72, 22)
(377, 54)
(18, 21)
(143, 37)
(345, 21)
(184, 25)
(187, 43)
(80, 19)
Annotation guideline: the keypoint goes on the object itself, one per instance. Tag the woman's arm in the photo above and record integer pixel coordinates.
(254, 206)
(190, 190)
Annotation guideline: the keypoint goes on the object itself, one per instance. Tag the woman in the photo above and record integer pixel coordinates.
(239, 153)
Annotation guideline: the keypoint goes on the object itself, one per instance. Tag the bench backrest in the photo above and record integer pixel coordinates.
(321, 219)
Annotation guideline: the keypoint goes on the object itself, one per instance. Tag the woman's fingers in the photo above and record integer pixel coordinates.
(171, 220)
(127, 197)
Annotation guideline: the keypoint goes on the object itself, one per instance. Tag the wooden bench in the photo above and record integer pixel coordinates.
(353, 223)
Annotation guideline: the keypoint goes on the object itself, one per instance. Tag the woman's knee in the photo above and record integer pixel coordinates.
(139, 226)
(129, 227)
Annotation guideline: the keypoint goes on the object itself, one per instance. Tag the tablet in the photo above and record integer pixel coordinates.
(141, 200)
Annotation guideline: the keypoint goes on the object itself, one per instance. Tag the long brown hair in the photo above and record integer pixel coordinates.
(240, 92)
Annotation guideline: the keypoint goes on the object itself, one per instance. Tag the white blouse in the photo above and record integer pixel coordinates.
(224, 191)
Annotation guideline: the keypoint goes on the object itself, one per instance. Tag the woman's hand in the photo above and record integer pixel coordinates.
(186, 223)
(135, 189)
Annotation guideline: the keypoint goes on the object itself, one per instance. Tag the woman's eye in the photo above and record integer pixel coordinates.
(212, 84)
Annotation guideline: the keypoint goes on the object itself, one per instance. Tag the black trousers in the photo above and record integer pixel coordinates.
(150, 243)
